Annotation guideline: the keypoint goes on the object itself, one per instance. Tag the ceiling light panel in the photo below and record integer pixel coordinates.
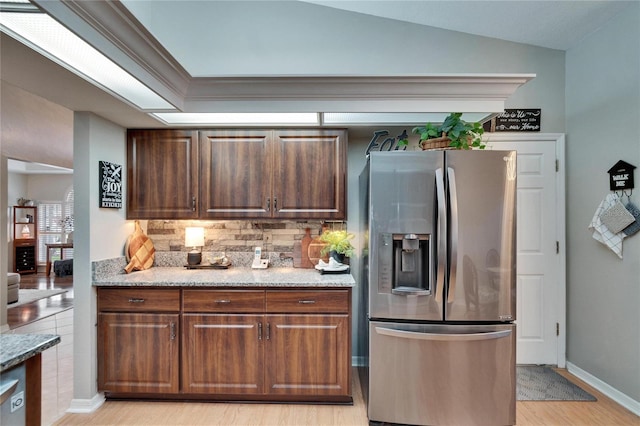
(400, 118)
(248, 119)
(45, 35)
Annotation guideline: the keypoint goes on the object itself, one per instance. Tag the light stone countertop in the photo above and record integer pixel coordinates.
(17, 348)
(234, 276)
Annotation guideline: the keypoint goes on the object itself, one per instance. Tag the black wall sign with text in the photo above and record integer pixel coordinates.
(110, 185)
(621, 176)
(518, 120)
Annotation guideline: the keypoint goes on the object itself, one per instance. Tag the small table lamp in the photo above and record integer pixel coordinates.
(194, 237)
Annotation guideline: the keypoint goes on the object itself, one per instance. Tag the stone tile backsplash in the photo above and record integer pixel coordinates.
(236, 239)
(240, 236)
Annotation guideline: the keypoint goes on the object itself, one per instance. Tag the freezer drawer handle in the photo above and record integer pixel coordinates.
(437, 336)
(410, 291)
(7, 389)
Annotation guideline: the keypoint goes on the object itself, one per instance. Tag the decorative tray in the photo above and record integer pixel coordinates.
(210, 266)
(329, 271)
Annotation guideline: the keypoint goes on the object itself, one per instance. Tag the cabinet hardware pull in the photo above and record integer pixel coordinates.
(259, 331)
(275, 204)
(223, 301)
(306, 302)
(172, 328)
(268, 331)
(136, 300)
(268, 204)
(193, 204)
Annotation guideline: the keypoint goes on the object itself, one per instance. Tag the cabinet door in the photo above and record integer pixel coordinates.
(162, 174)
(236, 174)
(25, 257)
(138, 353)
(308, 355)
(309, 174)
(222, 354)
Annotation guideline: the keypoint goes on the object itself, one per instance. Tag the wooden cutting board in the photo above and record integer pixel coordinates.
(304, 250)
(315, 248)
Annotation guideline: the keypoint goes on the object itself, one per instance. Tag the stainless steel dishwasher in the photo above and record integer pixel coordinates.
(12, 396)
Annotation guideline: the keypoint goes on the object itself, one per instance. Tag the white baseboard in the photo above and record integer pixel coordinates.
(86, 406)
(622, 399)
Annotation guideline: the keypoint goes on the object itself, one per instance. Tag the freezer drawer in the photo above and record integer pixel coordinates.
(432, 374)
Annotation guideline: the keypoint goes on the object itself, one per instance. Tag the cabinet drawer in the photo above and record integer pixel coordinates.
(308, 301)
(223, 301)
(138, 300)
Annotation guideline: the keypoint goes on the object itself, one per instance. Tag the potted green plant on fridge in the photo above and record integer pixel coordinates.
(453, 133)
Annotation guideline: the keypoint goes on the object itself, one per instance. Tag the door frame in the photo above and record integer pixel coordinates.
(560, 201)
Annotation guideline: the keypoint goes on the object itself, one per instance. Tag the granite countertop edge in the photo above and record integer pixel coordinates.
(17, 348)
(232, 277)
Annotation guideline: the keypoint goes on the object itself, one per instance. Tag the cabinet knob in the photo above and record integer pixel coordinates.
(268, 204)
(306, 302)
(136, 300)
(193, 204)
(222, 301)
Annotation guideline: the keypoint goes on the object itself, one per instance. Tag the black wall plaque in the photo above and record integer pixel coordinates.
(518, 120)
(621, 176)
(110, 185)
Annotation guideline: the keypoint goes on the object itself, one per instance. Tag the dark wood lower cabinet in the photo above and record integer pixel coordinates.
(308, 355)
(252, 344)
(222, 354)
(138, 352)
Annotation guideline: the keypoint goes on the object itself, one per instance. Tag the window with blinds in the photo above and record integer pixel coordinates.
(55, 222)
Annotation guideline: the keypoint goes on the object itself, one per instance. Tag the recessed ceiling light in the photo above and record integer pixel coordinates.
(45, 35)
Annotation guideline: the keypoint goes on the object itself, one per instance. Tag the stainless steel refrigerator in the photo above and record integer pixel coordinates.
(440, 289)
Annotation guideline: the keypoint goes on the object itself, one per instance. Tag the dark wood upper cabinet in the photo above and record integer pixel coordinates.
(283, 174)
(235, 179)
(237, 174)
(162, 174)
(309, 174)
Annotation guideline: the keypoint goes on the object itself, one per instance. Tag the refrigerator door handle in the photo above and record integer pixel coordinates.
(442, 235)
(443, 336)
(453, 206)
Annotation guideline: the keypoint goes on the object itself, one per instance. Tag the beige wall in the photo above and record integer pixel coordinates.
(34, 129)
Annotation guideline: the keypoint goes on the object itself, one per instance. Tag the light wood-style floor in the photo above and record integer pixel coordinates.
(604, 412)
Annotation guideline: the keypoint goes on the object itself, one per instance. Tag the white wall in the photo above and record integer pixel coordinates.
(48, 187)
(99, 234)
(603, 126)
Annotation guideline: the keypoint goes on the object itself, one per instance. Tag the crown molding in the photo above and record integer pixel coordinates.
(112, 29)
(408, 93)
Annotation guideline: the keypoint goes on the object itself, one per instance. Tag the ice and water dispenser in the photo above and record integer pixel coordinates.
(404, 264)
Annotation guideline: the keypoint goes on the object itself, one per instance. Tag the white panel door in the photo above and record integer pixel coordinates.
(540, 310)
